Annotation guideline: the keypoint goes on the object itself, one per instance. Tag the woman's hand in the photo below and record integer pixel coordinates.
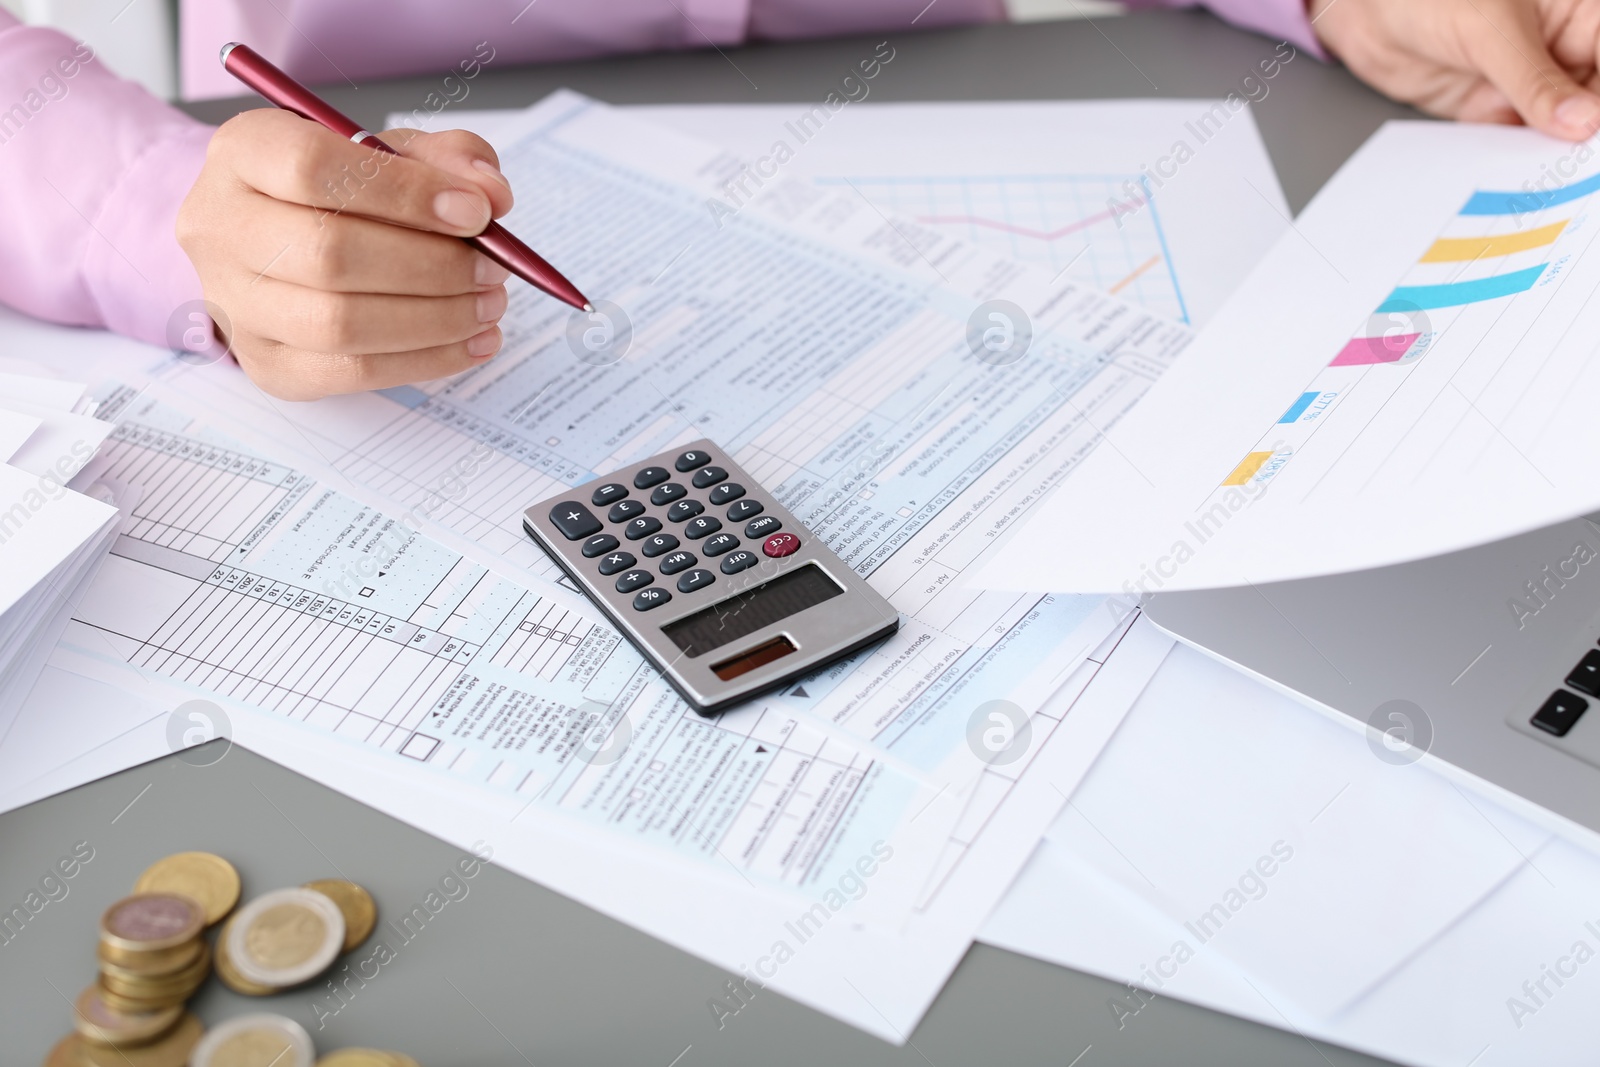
(340, 268)
(1505, 61)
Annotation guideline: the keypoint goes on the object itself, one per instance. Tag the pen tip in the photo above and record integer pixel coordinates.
(589, 308)
(230, 46)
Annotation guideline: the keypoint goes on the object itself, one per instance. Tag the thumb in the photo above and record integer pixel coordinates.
(1505, 41)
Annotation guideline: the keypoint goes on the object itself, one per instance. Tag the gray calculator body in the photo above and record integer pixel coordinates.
(720, 587)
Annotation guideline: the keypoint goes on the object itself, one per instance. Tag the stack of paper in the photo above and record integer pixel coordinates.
(52, 537)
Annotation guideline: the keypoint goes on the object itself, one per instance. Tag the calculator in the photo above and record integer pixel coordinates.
(720, 587)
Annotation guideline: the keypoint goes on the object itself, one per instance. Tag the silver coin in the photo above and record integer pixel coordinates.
(285, 937)
(269, 1039)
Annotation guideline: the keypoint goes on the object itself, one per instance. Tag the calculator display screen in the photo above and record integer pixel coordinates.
(742, 615)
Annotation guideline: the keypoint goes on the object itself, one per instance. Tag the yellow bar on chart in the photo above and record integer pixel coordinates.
(1467, 249)
(1247, 469)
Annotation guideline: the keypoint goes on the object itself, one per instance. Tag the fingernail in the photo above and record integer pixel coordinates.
(492, 304)
(461, 210)
(485, 344)
(492, 171)
(488, 272)
(1579, 113)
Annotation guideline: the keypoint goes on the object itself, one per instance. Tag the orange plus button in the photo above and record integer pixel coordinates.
(779, 545)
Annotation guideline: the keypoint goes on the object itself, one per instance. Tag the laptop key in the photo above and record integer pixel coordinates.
(1585, 677)
(1560, 712)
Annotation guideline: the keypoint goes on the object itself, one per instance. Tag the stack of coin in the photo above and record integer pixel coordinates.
(366, 1057)
(152, 954)
(291, 936)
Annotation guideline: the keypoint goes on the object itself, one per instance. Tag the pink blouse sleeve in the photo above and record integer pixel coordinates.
(1283, 19)
(92, 170)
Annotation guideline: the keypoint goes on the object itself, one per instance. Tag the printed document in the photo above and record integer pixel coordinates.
(1409, 372)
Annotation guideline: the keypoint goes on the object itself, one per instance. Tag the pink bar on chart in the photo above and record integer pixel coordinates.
(1362, 351)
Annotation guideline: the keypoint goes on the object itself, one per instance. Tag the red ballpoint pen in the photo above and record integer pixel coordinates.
(496, 242)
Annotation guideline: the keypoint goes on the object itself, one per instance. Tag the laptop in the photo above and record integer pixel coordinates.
(1486, 658)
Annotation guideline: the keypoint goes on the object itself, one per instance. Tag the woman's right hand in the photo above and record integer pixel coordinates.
(340, 268)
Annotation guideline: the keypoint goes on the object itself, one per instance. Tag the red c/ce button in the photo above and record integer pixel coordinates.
(781, 544)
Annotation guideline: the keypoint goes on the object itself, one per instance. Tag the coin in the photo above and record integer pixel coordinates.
(229, 975)
(157, 961)
(141, 972)
(149, 922)
(203, 877)
(355, 904)
(285, 937)
(160, 989)
(97, 1021)
(170, 1051)
(260, 1040)
(366, 1057)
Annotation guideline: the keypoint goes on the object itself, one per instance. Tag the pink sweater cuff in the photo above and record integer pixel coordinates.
(93, 170)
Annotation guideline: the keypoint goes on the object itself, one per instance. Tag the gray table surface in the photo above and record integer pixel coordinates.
(513, 973)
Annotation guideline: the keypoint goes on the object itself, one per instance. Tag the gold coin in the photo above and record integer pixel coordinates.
(230, 975)
(180, 983)
(97, 1021)
(149, 922)
(155, 962)
(360, 911)
(68, 1052)
(171, 1051)
(364, 1057)
(203, 877)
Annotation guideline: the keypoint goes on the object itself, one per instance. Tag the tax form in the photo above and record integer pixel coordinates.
(845, 381)
(829, 351)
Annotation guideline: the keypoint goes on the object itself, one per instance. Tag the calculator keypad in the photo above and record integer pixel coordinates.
(635, 520)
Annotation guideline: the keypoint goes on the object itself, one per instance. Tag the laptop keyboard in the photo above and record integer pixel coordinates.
(1563, 709)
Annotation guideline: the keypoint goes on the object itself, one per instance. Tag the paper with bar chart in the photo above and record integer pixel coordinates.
(1408, 373)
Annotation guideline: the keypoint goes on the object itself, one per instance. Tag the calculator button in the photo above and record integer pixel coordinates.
(678, 561)
(598, 545)
(709, 476)
(642, 527)
(624, 511)
(609, 493)
(738, 561)
(634, 580)
(758, 528)
(650, 476)
(1560, 712)
(744, 509)
(695, 580)
(780, 545)
(574, 520)
(690, 460)
(659, 545)
(617, 561)
(649, 598)
(685, 509)
(716, 546)
(1585, 677)
(725, 493)
(697, 528)
(666, 494)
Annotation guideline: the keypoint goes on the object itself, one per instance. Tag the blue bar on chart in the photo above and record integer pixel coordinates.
(1298, 408)
(1454, 294)
(1524, 201)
